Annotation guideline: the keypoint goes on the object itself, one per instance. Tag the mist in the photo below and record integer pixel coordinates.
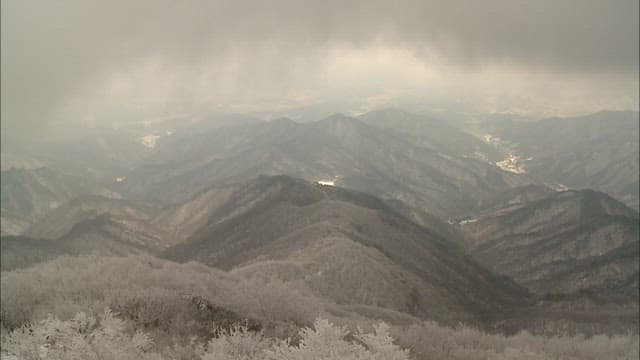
(96, 62)
(410, 179)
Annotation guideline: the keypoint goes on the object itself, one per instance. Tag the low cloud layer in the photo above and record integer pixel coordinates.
(84, 59)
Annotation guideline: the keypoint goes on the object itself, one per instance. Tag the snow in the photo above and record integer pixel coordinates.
(464, 222)
(492, 139)
(560, 187)
(327, 182)
(149, 140)
(511, 164)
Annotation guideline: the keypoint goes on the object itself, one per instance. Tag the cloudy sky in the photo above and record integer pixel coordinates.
(95, 61)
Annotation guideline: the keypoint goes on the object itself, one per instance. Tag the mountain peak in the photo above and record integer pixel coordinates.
(338, 118)
(301, 192)
(329, 235)
(595, 203)
(282, 121)
(390, 111)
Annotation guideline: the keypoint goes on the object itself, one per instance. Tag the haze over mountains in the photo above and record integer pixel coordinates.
(29, 194)
(597, 151)
(286, 179)
(416, 216)
(340, 149)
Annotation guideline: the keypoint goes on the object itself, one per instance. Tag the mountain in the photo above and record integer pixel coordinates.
(347, 246)
(27, 195)
(510, 200)
(597, 151)
(565, 242)
(430, 133)
(184, 219)
(60, 221)
(111, 235)
(87, 224)
(94, 153)
(103, 234)
(338, 149)
(21, 251)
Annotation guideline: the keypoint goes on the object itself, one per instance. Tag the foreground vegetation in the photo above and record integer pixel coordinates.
(141, 307)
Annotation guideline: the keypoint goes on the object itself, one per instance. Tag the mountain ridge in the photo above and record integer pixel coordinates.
(298, 222)
(546, 244)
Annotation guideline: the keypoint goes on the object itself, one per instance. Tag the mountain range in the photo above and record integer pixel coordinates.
(597, 151)
(338, 149)
(386, 211)
(28, 195)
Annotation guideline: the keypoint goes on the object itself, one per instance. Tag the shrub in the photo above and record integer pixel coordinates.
(465, 343)
(82, 337)
(236, 343)
(327, 341)
(275, 300)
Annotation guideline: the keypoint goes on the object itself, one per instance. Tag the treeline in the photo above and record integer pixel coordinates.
(158, 309)
(106, 337)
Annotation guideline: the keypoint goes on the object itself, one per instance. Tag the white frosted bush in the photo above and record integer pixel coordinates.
(82, 337)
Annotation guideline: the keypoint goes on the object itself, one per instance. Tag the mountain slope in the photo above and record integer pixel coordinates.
(21, 251)
(563, 243)
(61, 220)
(597, 151)
(347, 246)
(111, 235)
(430, 133)
(106, 234)
(98, 153)
(340, 149)
(29, 194)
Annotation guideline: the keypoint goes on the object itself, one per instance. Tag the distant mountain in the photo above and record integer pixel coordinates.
(60, 221)
(103, 234)
(28, 195)
(598, 151)
(565, 242)
(347, 246)
(185, 128)
(431, 133)
(18, 160)
(184, 219)
(21, 251)
(511, 199)
(94, 153)
(111, 235)
(338, 149)
(12, 224)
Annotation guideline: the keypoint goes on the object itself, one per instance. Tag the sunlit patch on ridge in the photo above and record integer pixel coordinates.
(327, 182)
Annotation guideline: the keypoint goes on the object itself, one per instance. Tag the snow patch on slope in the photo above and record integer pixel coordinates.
(149, 140)
(512, 164)
(327, 182)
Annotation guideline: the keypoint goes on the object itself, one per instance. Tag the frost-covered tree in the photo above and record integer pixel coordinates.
(82, 337)
(327, 341)
(237, 343)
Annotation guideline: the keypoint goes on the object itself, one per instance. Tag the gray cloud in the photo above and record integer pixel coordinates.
(55, 51)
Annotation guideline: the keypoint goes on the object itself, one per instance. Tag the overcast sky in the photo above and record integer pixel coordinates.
(96, 61)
